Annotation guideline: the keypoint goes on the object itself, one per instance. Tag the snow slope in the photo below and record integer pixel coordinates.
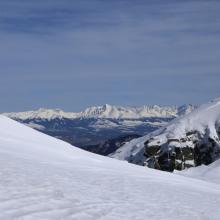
(105, 111)
(201, 127)
(209, 173)
(205, 120)
(45, 178)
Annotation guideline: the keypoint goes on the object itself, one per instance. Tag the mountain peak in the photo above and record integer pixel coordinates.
(105, 111)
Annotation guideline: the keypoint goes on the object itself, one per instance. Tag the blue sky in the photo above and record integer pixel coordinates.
(73, 54)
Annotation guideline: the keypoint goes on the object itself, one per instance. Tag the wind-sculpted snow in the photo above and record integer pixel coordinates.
(45, 178)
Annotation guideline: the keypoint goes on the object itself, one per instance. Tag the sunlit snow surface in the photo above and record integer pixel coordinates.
(209, 173)
(45, 178)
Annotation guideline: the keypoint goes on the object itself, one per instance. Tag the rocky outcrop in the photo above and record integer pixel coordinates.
(193, 150)
(189, 141)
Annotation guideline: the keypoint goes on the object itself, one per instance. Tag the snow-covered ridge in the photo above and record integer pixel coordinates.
(205, 120)
(105, 111)
(42, 113)
(198, 133)
(46, 178)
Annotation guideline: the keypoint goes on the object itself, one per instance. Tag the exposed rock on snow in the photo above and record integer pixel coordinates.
(188, 141)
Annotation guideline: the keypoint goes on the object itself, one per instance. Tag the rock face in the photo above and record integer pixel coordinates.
(170, 156)
(190, 141)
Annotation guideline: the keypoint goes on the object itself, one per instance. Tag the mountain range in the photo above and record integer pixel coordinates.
(105, 111)
(100, 129)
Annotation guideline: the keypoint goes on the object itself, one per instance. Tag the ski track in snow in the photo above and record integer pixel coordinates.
(49, 179)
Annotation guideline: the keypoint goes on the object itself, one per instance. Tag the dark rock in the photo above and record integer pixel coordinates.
(169, 156)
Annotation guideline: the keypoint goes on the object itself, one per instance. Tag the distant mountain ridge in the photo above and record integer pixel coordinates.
(105, 111)
(100, 129)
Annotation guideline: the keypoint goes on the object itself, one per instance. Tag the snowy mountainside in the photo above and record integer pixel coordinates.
(210, 173)
(132, 151)
(190, 140)
(45, 178)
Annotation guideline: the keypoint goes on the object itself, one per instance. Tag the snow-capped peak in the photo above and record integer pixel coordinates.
(42, 113)
(105, 111)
